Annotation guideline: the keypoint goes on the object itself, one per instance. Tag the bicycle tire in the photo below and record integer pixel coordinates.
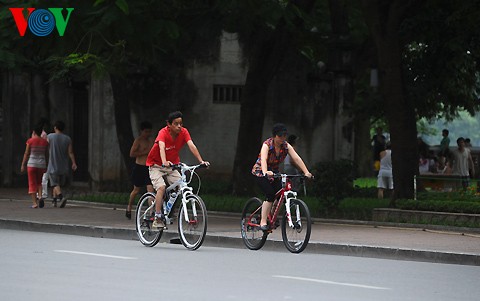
(192, 232)
(144, 219)
(296, 238)
(252, 236)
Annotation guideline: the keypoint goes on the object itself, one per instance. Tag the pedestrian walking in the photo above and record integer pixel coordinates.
(60, 151)
(35, 159)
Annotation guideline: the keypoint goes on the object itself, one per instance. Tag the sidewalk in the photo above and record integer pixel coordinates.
(445, 245)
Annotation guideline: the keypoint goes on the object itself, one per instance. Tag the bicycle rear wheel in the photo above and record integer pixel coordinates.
(252, 236)
(192, 231)
(144, 216)
(296, 238)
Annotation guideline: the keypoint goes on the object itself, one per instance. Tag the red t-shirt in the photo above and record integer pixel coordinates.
(172, 147)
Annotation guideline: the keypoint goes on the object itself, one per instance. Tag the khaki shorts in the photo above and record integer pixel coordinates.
(156, 175)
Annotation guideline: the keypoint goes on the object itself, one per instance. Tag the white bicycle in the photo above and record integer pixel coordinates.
(192, 213)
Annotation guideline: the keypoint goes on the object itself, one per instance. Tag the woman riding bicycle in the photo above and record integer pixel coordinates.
(273, 152)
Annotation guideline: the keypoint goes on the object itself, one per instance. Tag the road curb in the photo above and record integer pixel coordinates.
(215, 240)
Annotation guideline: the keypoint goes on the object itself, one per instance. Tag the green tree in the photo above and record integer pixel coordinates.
(270, 36)
(428, 67)
(127, 41)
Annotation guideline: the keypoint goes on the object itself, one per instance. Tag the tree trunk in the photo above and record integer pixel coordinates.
(122, 96)
(384, 20)
(264, 62)
(263, 66)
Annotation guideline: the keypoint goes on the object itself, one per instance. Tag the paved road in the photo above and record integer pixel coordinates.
(369, 240)
(50, 266)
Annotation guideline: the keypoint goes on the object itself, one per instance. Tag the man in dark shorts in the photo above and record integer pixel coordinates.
(60, 151)
(140, 176)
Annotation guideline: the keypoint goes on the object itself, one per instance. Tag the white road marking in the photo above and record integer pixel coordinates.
(94, 254)
(332, 282)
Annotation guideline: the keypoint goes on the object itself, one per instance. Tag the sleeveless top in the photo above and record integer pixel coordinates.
(273, 161)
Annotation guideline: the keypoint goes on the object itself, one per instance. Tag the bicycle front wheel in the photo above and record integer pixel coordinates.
(296, 237)
(144, 217)
(252, 236)
(193, 227)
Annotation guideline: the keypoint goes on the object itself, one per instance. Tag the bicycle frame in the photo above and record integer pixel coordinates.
(184, 190)
(285, 194)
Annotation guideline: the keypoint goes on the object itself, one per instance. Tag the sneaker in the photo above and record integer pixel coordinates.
(158, 223)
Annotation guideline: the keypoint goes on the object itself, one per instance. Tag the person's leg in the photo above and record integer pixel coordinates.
(381, 186)
(62, 182)
(380, 193)
(133, 194)
(32, 186)
(156, 175)
(465, 182)
(269, 191)
(39, 177)
(159, 200)
(45, 185)
(34, 200)
(137, 181)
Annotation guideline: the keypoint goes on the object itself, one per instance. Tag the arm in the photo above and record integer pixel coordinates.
(263, 160)
(163, 155)
(470, 162)
(298, 161)
(134, 149)
(72, 157)
(196, 153)
(25, 158)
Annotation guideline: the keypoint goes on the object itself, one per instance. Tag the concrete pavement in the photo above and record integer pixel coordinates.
(378, 240)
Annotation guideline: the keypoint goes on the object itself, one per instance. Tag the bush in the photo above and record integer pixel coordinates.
(442, 205)
(333, 181)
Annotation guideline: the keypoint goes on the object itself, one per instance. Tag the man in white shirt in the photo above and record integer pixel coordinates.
(462, 162)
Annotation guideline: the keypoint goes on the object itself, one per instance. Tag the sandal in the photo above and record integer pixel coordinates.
(34, 206)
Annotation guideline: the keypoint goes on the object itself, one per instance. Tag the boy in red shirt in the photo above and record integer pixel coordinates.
(163, 154)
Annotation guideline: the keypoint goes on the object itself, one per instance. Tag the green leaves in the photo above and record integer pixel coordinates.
(123, 5)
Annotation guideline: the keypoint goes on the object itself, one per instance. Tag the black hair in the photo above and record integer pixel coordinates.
(145, 125)
(60, 125)
(460, 140)
(174, 115)
(445, 131)
(38, 129)
(279, 129)
(292, 139)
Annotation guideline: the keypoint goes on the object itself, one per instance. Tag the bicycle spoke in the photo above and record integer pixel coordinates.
(192, 229)
(144, 220)
(252, 236)
(296, 236)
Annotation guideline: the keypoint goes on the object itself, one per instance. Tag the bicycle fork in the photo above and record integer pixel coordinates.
(288, 196)
(185, 194)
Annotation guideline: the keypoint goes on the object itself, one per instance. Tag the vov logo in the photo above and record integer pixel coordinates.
(41, 22)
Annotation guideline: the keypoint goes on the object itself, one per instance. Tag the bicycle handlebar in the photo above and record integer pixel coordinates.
(279, 175)
(184, 166)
